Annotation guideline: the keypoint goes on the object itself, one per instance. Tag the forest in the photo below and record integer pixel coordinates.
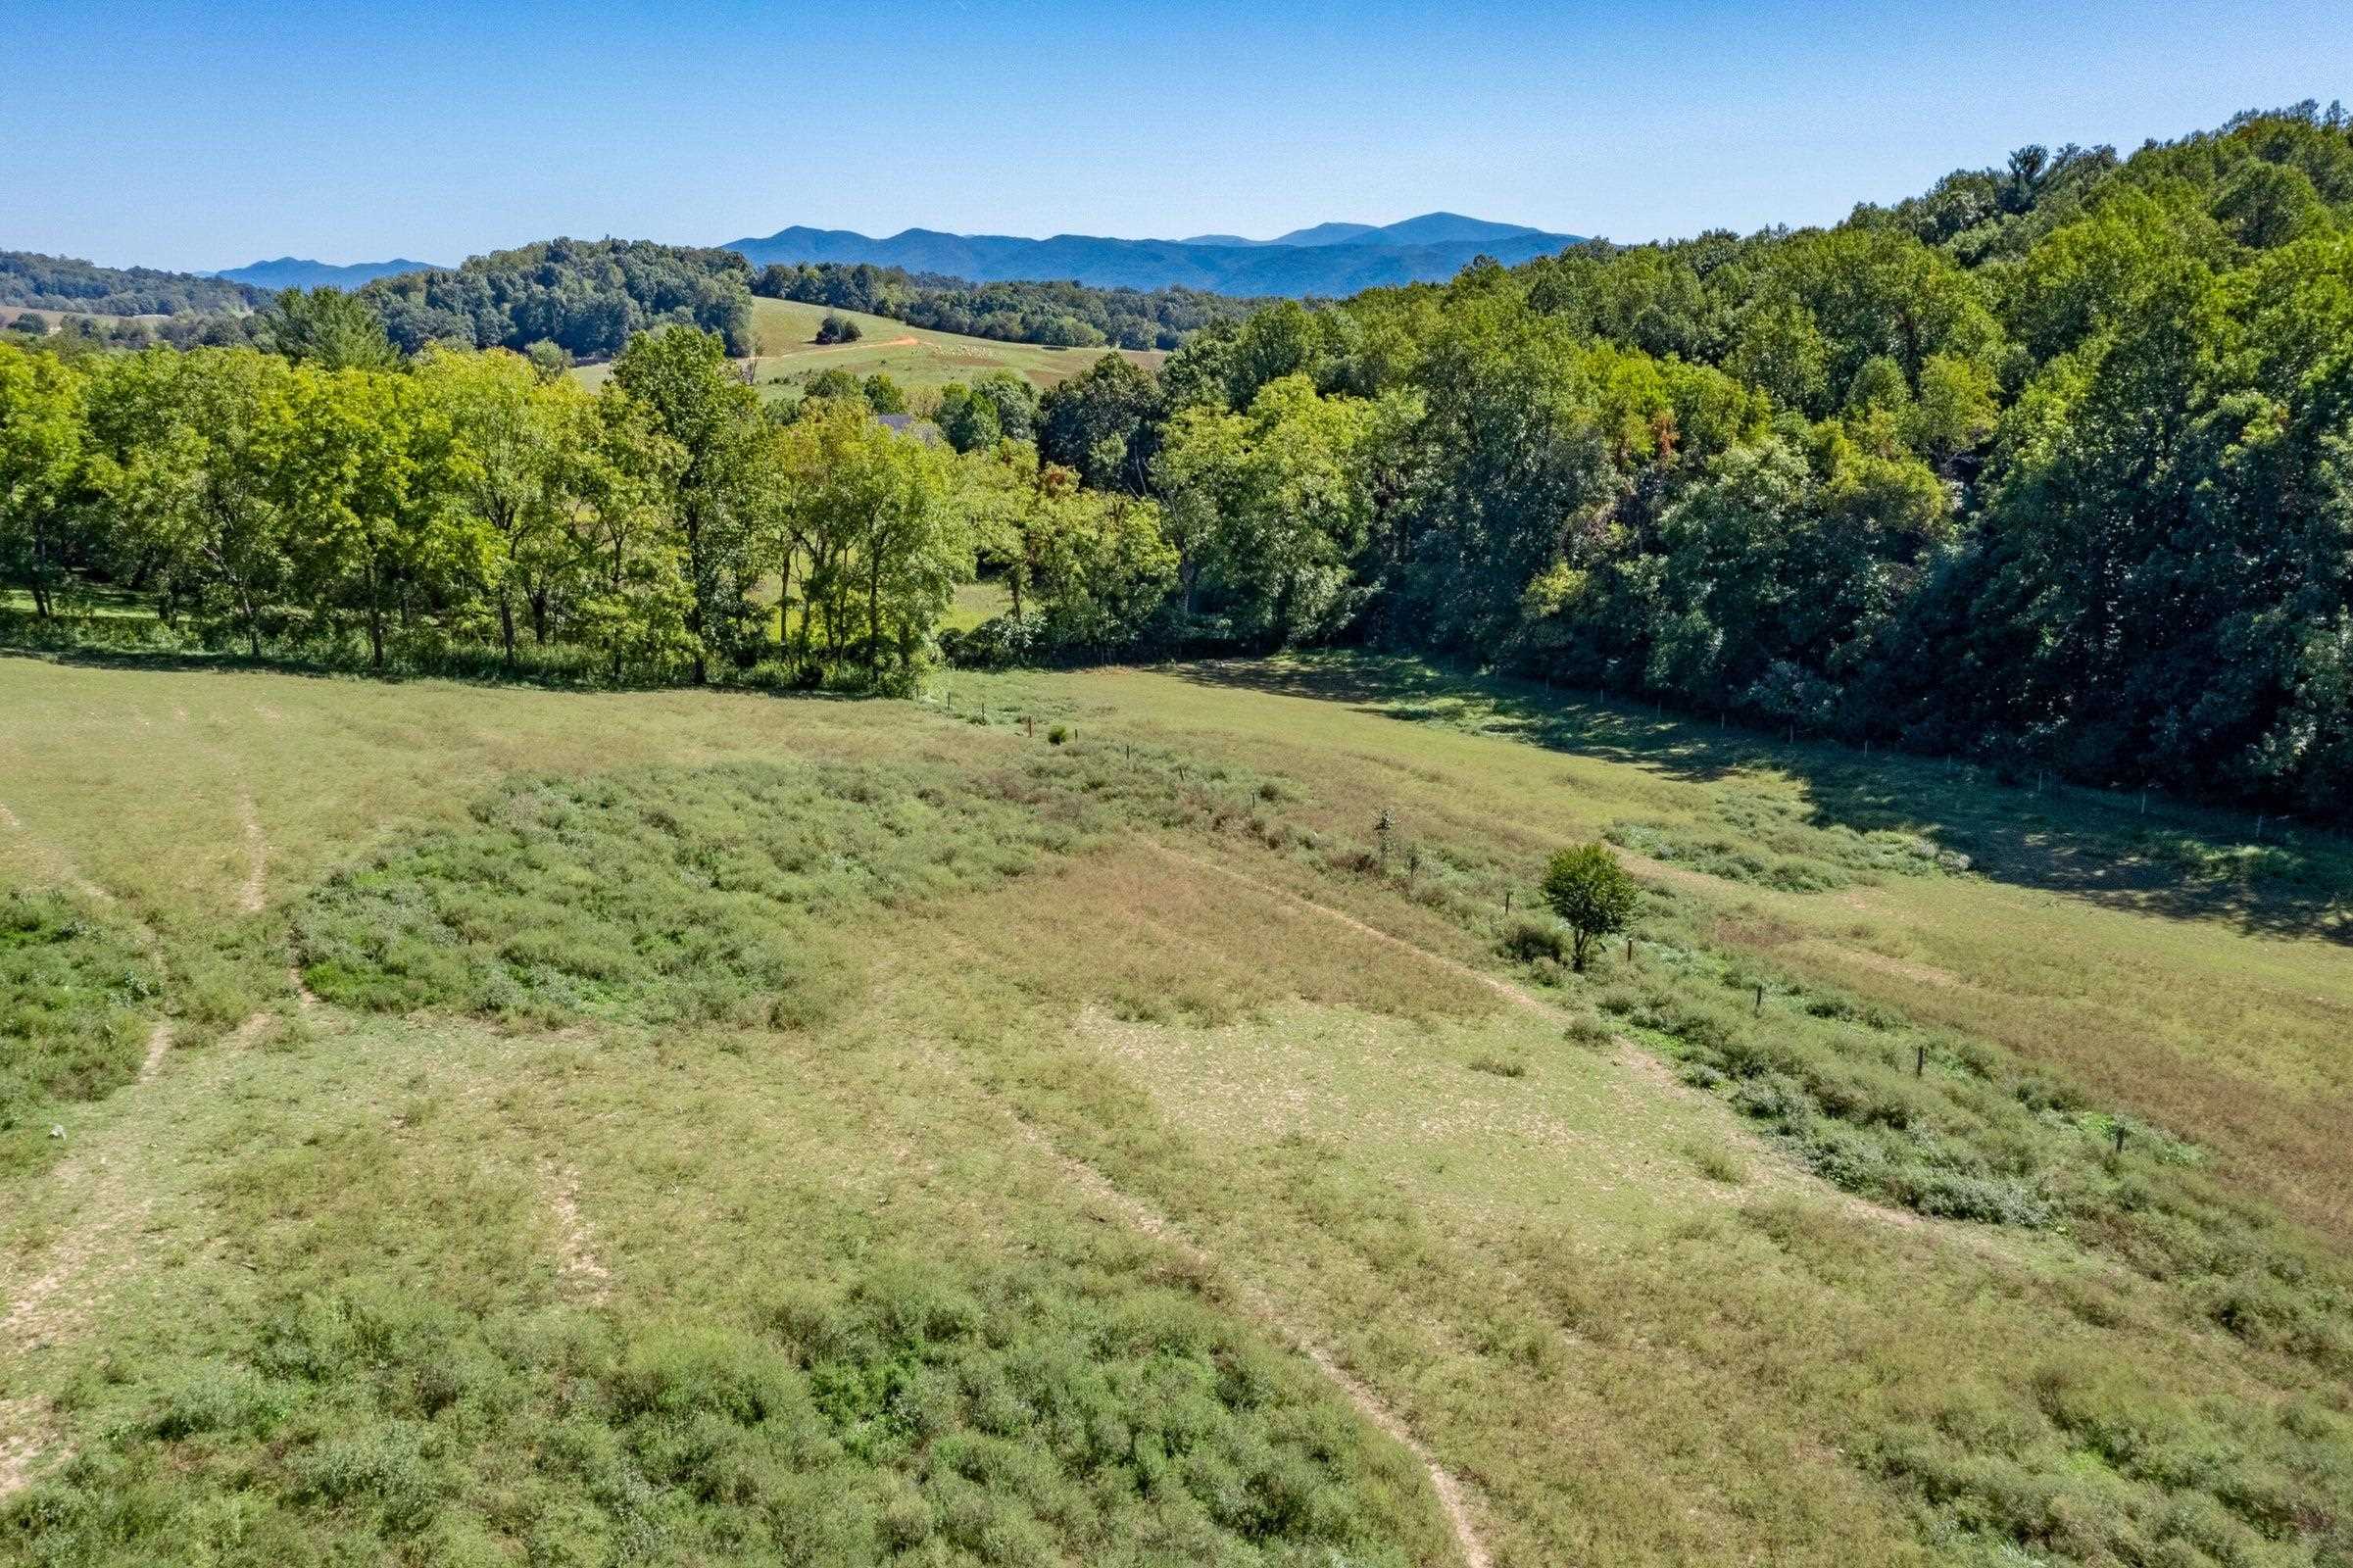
(62, 284)
(2047, 468)
(586, 297)
(1060, 315)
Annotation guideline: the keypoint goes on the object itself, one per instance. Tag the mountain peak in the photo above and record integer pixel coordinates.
(299, 272)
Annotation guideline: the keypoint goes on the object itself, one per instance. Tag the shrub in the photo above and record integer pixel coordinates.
(1716, 1165)
(1591, 1033)
(1591, 894)
(1529, 939)
(72, 982)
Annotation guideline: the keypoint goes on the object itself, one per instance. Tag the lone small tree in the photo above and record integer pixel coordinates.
(1591, 894)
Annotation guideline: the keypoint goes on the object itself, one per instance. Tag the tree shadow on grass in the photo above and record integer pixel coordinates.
(2118, 849)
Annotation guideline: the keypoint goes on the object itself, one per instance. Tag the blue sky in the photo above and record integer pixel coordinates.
(193, 136)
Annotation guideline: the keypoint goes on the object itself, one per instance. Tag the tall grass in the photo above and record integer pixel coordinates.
(74, 982)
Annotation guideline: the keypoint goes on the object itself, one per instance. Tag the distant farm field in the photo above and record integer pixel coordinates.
(917, 357)
(1141, 1116)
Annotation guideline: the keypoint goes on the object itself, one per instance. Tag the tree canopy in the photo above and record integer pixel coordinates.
(2046, 466)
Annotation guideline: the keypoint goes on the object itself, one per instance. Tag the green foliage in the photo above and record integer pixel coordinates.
(62, 284)
(970, 424)
(1591, 894)
(1096, 425)
(587, 297)
(41, 436)
(672, 894)
(868, 513)
(997, 407)
(922, 1412)
(700, 466)
(72, 987)
(1806, 476)
(327, 328)
(1062, 314)
(837, 328)
(2047, 468)
(1270, 510)
(1087, 571)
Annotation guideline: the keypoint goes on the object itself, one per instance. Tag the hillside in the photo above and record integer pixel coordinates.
(917, 357)
(532, 1124)
(64, 284)
(1335, 259)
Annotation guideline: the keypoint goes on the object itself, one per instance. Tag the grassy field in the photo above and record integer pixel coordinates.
(503, 1126)
(917, 358)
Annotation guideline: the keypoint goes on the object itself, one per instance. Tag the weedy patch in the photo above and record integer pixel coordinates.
(718, 893)
(73, 985)
(1767, 845)
(921, 1413)
(659, 894)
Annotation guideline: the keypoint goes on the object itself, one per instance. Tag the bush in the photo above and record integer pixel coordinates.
(1531, 939)
(74, 981)
(1590, 1033)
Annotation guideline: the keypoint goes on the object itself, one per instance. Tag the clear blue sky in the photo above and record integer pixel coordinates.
(205, 135)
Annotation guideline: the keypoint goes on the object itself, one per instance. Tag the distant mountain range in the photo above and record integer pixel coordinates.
(1327, 259)
(292, 272)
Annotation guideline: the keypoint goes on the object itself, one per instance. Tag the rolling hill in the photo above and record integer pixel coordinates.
(68, 283)
(917, 357)
(529, 1123)
(1328, 259)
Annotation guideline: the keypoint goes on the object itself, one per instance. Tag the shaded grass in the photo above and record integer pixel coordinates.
(2121, 849)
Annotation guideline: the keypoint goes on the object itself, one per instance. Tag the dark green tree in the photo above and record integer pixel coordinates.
(1591, 894)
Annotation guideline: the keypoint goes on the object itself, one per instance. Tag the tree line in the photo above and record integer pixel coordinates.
(2048, 467)
(582, 298)
(2051, 466)
(330, 496)
(64, 284)
(1058, 314)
